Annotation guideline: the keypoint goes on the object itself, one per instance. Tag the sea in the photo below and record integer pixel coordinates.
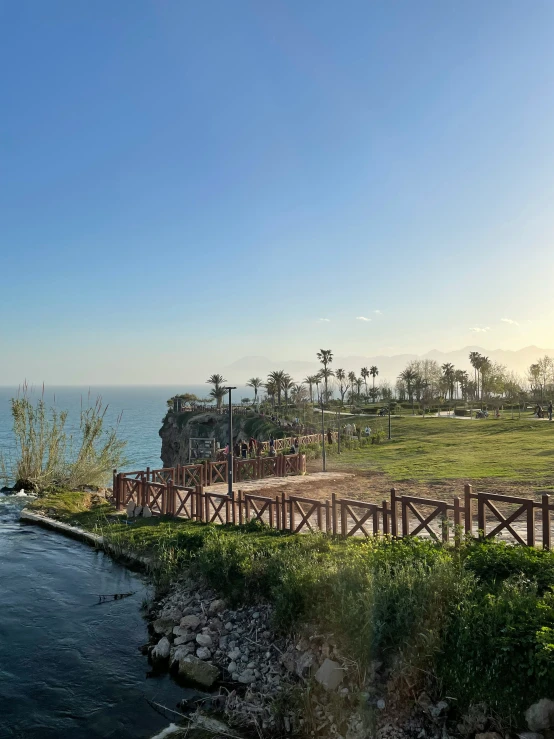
(69, 665)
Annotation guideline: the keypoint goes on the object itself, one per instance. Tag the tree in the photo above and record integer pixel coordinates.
(409, 376)
(256, 383)
(449, 374)
(352, 379)
(359, 383)
(325, 356)
(373, 371)
(311, 380)
(325, 374)
(340, 374)
(218, 391)
(287, 384)
(364, 372)
(461, 379)
(474, 359)
(484, 365)
(271, 390)
(277, 377)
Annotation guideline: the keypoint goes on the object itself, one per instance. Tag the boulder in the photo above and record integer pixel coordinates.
(161, 650)
(330, 674)
(130, 509)
(540, 715)
(191, 622)
(205, 640)
(186, 638)
(216, 606)
(203, 653)
(163, 626)
(146, 512)
(194, 669)
(247, 677)
(179, 653)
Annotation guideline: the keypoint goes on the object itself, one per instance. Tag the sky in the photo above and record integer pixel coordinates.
(183, 184)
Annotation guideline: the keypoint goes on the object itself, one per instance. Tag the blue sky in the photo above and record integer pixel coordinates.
(183, 184)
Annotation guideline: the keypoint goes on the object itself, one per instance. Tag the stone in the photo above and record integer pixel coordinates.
(146, 512)
(184, 639)
(130, 509)
(229, 626)
(161, 650)
(163, 626)
(528, 735)
(234, 654)
(441, 707)
(180, 653)
(172, 613)
(247, 677)
(191, 622)
(204, 640)
(305, 664)
(540, 715)
(232, 667)
(197, 671)
(251, 665)
(203, 653)
(381, 704)
(216, 606)
(330, 675)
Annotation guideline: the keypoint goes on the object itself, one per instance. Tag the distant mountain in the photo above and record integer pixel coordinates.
(389, 366)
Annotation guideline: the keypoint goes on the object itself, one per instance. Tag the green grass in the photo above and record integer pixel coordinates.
(476, 623)
(435, 449)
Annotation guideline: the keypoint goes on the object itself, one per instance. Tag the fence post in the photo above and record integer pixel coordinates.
(292, 516)
(405, 519)
(481, 517)
(444, 524)
(148, 474)
(115, 490)
(241, 517)
(227, 510)
(468, 509)
(320, 516)
(457, 521)
(199, 503)
(531, 523)
(386, 528)
(334, 513)
(284, 511)
(343, 520)
(393, 513)
(247, 507)
(546, 535)
(327, 517)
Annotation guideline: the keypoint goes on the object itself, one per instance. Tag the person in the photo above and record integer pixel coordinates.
(550, 411)
(367, 431)
(292, 449)
(297, 445)
(244, 449)
(236, 449)
(329, 436)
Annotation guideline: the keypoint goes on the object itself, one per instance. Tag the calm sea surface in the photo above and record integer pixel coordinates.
(68, 666)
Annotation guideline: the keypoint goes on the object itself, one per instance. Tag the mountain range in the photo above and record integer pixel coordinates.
(389, 366)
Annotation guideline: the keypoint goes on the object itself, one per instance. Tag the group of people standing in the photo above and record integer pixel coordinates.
(539, 412)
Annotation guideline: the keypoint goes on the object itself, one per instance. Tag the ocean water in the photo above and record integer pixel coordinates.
(141, 409)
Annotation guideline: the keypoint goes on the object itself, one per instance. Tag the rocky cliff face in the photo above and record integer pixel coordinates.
(178, 428)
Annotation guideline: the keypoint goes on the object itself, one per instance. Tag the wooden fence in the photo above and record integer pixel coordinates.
(483, 515)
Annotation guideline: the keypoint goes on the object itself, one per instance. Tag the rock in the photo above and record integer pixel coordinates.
(138, 510)
(204, 640)
(442, 706)
(234, 654)
(330, 674)
(163, 626)
(191, 622)
(184, 639)
(381, 705)
(229, 626)
(232, 667)
(216, 606)
(146, 512)
(180, 653)
(247, 677)
(305, 664)
(130, 509)
(172, 613)
(161, 650)
(194, 669)
(203, 653)
(526, 735)
(540, 715)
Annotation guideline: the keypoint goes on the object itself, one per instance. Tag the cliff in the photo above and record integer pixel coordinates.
(178, 428)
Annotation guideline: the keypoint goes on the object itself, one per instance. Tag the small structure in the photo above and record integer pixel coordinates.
(202, 449)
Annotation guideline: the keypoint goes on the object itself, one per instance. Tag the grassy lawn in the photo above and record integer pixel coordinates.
(439, 449)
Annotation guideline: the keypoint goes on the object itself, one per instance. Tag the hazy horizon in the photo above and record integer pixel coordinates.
(185, 185)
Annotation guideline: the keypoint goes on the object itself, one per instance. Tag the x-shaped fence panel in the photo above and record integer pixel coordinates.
(524, 508)
(360, 513)
(215, 504)
(183, 503)
(305, 508)
(410, 504)
(256, 506)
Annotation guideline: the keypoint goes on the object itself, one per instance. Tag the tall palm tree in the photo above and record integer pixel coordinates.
(409, 376)
(218, 392)
(359, 383)
(373, 371)
(325, 374)
(277, 376)
(310, 381)
(340, 374)
(448, 374)
(364, 372)
(287, 384)
(474, 358)
(460, 378)
(325, 356)
(271, 390)
(352, 379)
(485, 365)
(255, 383)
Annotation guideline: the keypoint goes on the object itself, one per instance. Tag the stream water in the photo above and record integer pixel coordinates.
(70, 667)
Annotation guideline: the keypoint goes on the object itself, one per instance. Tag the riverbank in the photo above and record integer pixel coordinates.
(401, 623)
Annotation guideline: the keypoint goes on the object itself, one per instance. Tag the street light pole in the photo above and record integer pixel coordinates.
(323, 436)
(230, 451)
(389, 421)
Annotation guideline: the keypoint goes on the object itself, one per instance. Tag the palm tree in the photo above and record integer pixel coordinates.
(373, 371)
(409, 376)
(218, 392)
(485, 365)
(256, 383)
(352, 380)
(448, 374)
(287, 384)
(460, 378)
(271, 389)
(364, 372)
(340, 374)
(325, 374)
(310, 381)
(359, 383)
(277, 376)
(474, 358)
(325, 356)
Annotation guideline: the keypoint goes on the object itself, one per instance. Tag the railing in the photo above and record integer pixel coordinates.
(519, 520)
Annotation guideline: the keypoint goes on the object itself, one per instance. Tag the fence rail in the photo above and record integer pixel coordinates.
(521, 520)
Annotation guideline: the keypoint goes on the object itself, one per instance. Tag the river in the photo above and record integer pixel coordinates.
(69, 666)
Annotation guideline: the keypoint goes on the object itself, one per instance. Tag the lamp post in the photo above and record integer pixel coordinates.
(389, 420)
(323, 435)
(230, 452)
